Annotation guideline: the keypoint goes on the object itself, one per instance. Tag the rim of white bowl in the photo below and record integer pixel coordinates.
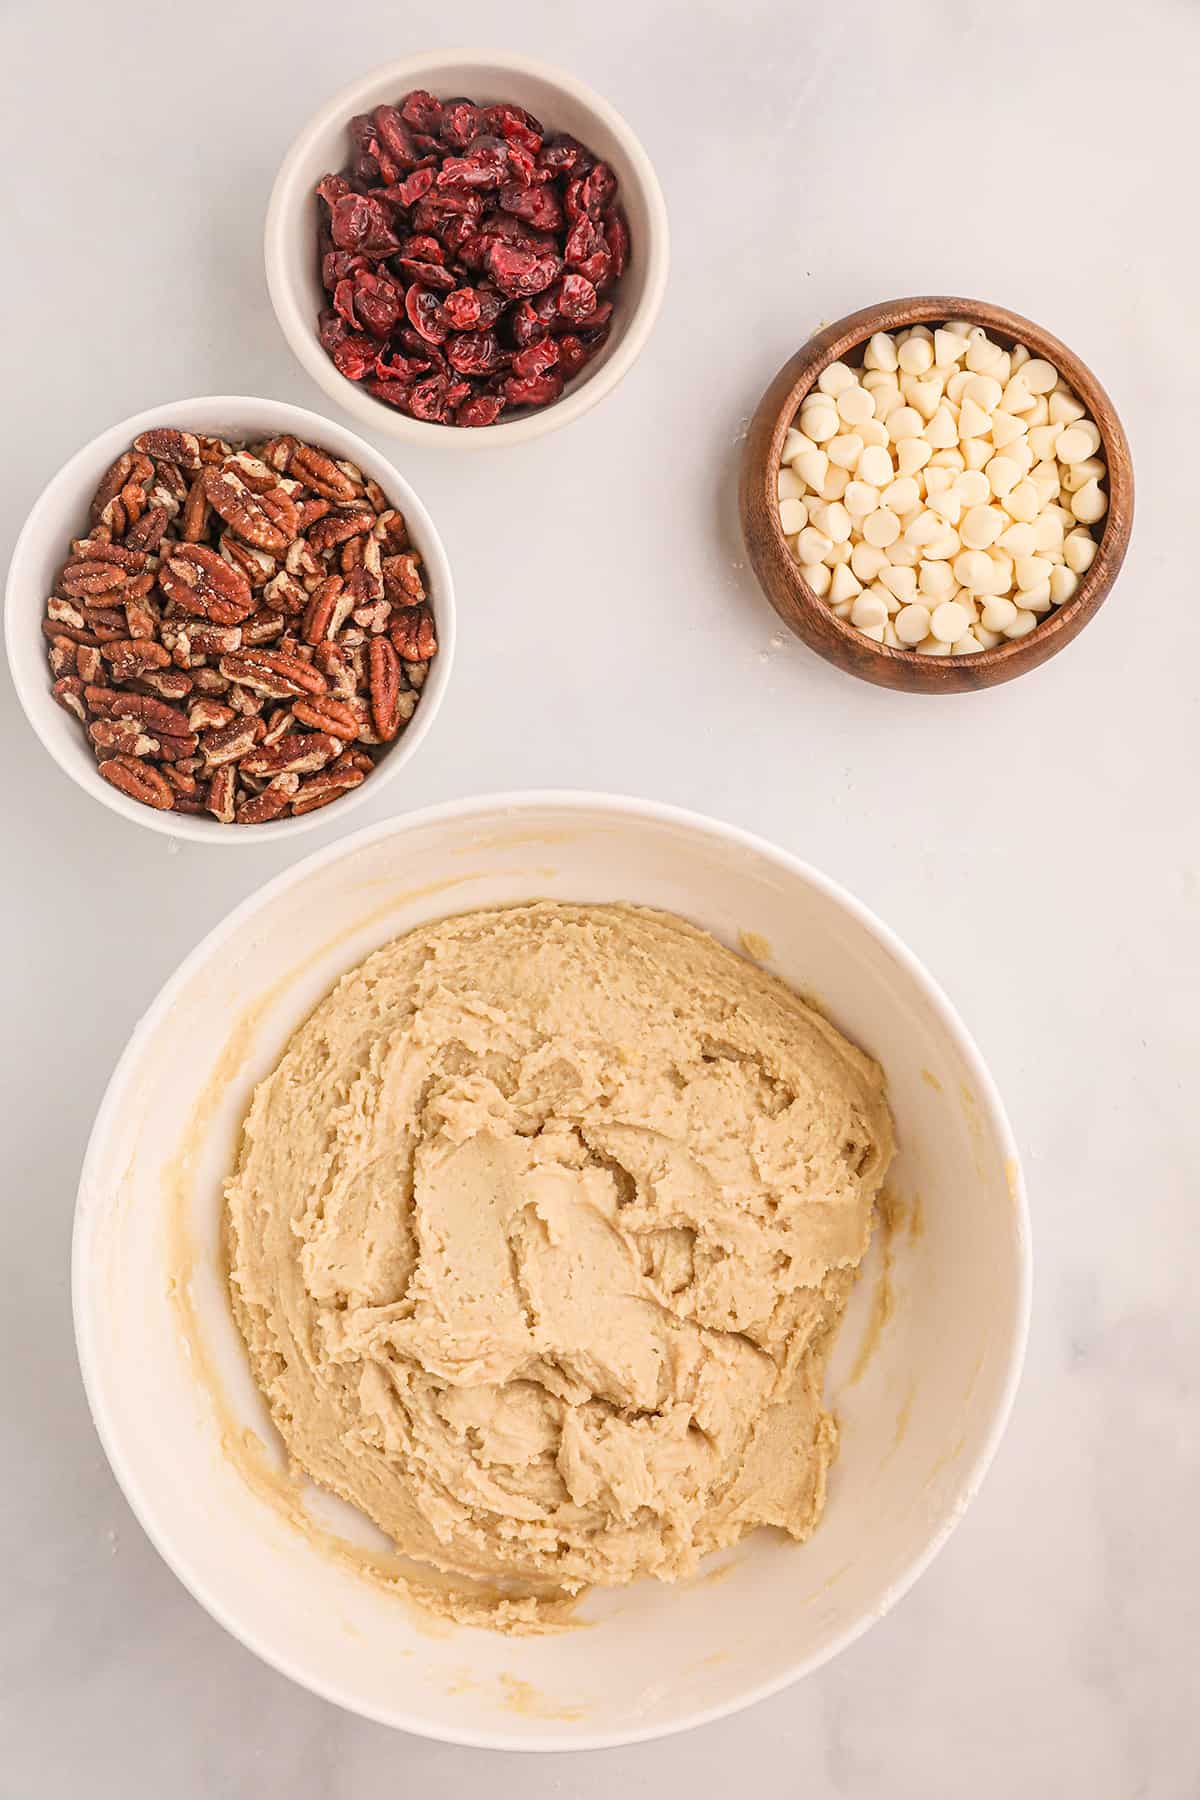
(508, 803)
(25, 603)
(291, 193)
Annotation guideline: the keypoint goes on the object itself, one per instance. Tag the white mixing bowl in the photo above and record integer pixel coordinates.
(190, 1440)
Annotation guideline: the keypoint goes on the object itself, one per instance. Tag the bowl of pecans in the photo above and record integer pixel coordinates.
(226, 613)
(467, 239)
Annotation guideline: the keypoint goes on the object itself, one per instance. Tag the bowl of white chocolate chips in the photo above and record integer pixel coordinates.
(936, 494)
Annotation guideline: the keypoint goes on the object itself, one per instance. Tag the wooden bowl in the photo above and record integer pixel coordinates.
(810, 617)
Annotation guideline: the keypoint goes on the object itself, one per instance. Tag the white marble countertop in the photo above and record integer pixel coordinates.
(1037, 844)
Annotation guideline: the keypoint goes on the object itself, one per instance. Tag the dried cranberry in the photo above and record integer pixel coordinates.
(532, 319)
(424, 248)
(534, 390)
(538, 206)
(343, 300)
(460, 122)
(524, 166)
(572, 354)
(425, 311)
(395, 137)
(472, 309)
(584, 239)
(455, 233)
(413, 188)
(336, 265)
(353, 352)
(484, 166)
(333, 188)
(598, 320)
(599, 188)
(520, 272)
(456, 393)
(537, 359)
(360, 223)
(616, 237)
(378, 302)
(473, 352)
(391, 366)
(433, 275)
(483, 409)
(562, 154)
(496, 223)
(427, 400)
(392, 393)
(421, 112)
(434, 208)
(576, 298)
(516, 125)
(596, 268)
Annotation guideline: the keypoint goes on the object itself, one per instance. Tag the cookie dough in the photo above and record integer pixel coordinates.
(541, 1231)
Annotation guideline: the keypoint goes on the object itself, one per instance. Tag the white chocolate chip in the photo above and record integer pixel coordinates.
(860, 498)
(819, 420)
(912, 454)
(1065, 408)
(1022, 625)
(881, 528)
(811, 466)
(936, 580)
(948, 621)
(1090, 504)
(998, 614)
(845, 449)
(902, 494)
(981, 527)
(819, 578)
(912, 624)
(1079, 549)
(1063, 583)
(835, 378)
(900, 582)
(834, 521)
(916, 355)
(875, 466)
(793, 516)
(949, 347)
(855, 405)
(788, 486)
(866, 560)
(812, 545)
(1039, 376)
(880, 352)
(1006, 429)
(868, 610)
(844, 586)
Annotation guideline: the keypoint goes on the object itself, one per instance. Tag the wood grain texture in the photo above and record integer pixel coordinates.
(811, 618)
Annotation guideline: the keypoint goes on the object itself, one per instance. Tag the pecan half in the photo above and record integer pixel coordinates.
(296, 753)
(267, 521)
(165, 445)
(385, 687)
(412, 634)
(138, 780)
(273, 673)
(199, 582)
(321, 473)
(319, 790)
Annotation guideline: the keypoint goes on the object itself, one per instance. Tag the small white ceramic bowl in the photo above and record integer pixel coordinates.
(562, 104)
(167, 1375)
(60, 514)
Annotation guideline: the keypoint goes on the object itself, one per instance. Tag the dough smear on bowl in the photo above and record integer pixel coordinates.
(540, 1235)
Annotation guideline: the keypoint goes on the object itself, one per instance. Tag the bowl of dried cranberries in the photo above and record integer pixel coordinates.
(467, 248)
